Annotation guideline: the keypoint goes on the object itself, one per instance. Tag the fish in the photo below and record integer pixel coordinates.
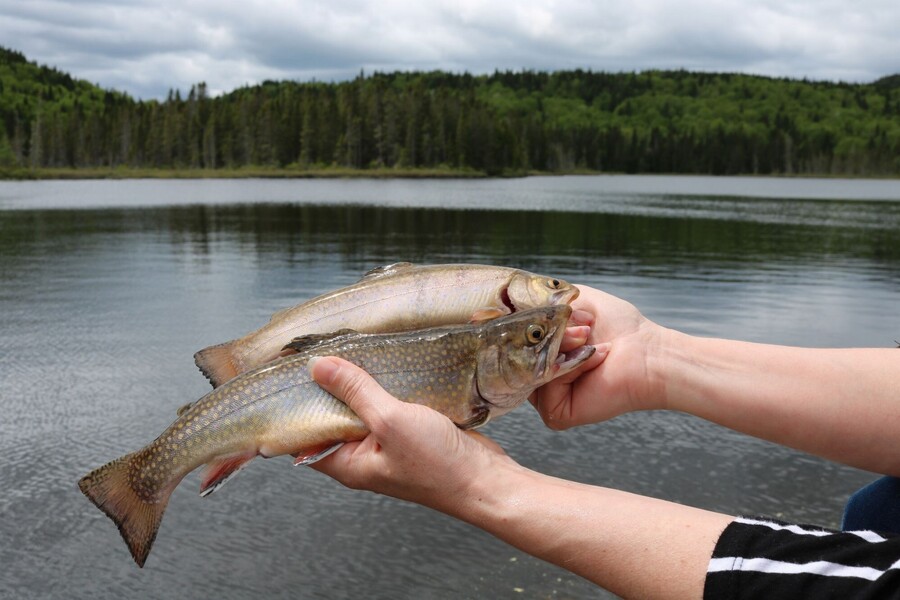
(471, 373)
(397, 297)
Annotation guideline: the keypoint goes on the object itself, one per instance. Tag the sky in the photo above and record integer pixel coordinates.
(146, 47)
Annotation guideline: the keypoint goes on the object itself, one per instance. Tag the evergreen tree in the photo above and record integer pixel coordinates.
(656, 121)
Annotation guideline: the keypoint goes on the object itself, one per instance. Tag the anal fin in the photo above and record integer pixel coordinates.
(219, 471)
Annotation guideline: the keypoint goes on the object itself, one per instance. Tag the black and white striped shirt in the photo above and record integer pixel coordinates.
(757, 557)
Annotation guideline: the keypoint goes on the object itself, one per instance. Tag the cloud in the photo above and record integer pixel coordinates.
(147, 46)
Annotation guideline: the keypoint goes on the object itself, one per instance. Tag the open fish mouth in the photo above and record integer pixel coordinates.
(571, 359)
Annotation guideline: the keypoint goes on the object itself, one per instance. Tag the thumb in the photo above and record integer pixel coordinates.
(356, 388)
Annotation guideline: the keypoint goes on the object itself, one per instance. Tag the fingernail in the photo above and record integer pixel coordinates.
(603, 348)
(321, 369)
(581, 317)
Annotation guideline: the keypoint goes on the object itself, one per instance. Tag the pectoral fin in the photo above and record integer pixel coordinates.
(480, 416)
(311, 455)
(486, 314)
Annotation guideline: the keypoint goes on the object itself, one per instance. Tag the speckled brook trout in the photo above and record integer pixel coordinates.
(398, 297)
(470, 373)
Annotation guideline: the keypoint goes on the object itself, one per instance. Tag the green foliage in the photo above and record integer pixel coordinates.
(507, 122)
(7, 156)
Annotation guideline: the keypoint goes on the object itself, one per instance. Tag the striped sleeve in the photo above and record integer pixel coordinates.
(756, 557)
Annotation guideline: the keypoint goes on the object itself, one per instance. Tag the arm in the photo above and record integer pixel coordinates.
(841, 404)
(631, 545)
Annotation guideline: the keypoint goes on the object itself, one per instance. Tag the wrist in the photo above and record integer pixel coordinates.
(667, 356)
(492, 494)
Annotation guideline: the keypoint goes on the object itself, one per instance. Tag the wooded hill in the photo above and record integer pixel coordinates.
(505, 123)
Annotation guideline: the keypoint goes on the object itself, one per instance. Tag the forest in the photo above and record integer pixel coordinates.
(505, 123)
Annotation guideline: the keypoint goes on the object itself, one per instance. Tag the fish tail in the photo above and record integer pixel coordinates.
(136, 516)
(217, 363)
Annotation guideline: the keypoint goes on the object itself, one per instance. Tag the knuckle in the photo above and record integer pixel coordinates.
(353, 387)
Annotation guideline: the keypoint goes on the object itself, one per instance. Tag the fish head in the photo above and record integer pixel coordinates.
(520, 352)
(528, 290)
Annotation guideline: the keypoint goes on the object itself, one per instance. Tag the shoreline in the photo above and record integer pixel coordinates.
(75, 173)
(81, 173)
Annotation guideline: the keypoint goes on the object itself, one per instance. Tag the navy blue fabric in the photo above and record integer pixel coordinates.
(875, 507)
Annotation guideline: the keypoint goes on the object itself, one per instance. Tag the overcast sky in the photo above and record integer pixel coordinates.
(145, 47)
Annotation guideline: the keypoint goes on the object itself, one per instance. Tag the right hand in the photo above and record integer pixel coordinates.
(412, 452)
(618, 384)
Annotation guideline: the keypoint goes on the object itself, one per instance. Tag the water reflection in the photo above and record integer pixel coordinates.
(292, 231)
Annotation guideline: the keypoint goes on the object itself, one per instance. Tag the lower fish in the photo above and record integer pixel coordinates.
(470, 373)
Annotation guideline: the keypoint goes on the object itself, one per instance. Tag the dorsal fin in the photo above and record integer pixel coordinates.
(386, 270)
(304, 342)
(280, 313)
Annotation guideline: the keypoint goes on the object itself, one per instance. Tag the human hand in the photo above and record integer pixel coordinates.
(617, 380)
(412, 452)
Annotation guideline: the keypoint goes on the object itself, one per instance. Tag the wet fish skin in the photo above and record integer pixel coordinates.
(398, 297)
(470, 373)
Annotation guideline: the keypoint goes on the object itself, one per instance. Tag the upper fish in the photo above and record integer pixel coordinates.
(398, 297)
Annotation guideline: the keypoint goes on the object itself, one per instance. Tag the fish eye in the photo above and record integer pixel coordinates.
(553, 283)
(535, 333)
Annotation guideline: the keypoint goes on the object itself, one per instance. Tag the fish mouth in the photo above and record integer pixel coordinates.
(566, 361)
(565, 296)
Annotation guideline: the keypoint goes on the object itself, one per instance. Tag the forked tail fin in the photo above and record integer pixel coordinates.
(110, 489)
(217, 363)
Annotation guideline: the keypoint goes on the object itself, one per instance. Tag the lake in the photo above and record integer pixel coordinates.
(107, 288)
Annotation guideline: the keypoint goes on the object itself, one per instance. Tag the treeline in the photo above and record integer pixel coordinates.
(508, 122)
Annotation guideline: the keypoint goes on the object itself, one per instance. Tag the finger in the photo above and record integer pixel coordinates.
(554, 400)
(551, 402)
(581, 317)
(355, 387)
(574, 337)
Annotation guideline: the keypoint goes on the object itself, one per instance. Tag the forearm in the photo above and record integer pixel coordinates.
(841, 404)
(632, 545)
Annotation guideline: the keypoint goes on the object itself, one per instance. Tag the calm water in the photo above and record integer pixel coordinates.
(107, 289)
